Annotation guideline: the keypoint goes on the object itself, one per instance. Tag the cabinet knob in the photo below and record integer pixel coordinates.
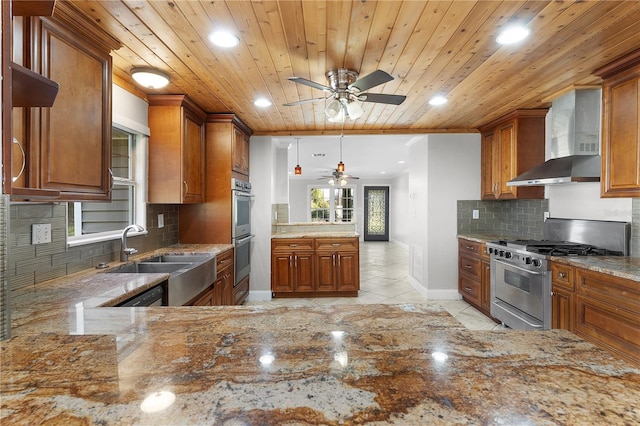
(562, 275)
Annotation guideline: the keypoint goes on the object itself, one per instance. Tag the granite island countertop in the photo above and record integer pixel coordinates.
(72, 362)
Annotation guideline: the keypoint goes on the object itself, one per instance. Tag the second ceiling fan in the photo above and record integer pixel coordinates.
(347, 89)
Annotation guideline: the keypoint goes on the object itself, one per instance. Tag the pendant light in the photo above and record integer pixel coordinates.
(340, 167)
(298, 170)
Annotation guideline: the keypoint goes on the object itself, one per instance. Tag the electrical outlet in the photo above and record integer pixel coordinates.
(476, 214)
(160, 220)
(40, 233)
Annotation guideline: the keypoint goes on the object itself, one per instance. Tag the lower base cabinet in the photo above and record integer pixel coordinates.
(315, 267)
(474, 275)
(598, 307)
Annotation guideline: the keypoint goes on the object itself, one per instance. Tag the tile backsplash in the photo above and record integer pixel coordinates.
(29, 264)
(513, 218)
(522, 219)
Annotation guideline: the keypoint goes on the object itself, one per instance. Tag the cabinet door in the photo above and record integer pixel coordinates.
(487, 177)
(621, 136)
(282, 272)
(562, 309)
(303, 272)
(227, 290)
(75, 133)
(193, 159)
(326, 265)
(506, 160)
(217, 292)
(348, 271)
(240, 151)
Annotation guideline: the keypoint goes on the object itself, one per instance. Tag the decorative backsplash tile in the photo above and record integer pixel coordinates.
(512, 218)
(29, 264)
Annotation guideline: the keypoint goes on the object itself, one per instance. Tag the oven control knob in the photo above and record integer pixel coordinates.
(537, 263)
(508, 255)
(501, 254)
(527, 261)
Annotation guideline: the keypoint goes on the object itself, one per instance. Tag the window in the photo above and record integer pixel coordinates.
(93, 221)
(332, 204)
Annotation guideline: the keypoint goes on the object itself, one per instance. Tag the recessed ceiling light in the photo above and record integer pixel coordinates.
(438, 100)
(262, 102)
(383, 173)
(513, 34)
(224, 39)
(401, 162)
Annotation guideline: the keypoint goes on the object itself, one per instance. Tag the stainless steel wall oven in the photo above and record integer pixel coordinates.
(241, 228)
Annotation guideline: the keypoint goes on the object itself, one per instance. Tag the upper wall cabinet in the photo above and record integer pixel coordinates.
(621, 127)
(176, 150)
(511, 145)
(60, 146)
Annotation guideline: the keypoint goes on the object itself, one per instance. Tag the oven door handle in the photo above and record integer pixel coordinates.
(509, 265)
(245, 239)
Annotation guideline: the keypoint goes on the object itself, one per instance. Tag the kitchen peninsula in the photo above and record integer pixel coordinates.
(71, 361)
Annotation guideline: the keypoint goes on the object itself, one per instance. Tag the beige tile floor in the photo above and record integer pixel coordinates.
(384, 279)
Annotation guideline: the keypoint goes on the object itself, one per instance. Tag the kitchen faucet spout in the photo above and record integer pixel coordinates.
(125, 251)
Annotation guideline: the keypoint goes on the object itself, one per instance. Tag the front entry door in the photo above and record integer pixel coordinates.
(376, 213)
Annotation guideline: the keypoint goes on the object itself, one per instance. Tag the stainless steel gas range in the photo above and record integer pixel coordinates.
(520, 269)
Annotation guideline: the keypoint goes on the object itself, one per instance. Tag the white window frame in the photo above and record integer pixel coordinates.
(332, 208)
(139, 166)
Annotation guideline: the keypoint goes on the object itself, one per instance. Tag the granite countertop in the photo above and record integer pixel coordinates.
(316, 234)
(330, 365)
(619, 266)
(73, 362)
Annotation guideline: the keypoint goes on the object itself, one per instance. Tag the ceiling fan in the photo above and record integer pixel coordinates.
(338, 177)
(346, 88)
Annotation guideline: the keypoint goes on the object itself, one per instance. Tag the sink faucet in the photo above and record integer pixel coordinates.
(124, 251)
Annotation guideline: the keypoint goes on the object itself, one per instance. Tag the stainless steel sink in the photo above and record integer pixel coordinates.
(188, 274)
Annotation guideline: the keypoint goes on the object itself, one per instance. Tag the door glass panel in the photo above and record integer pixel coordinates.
(376, 224)
(343, 203)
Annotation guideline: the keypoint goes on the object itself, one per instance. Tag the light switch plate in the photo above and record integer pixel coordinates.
(160, 220)
(476, 214)
(40, 233)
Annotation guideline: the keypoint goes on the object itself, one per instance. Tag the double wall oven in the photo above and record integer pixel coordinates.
(241, 228)
(520, 269)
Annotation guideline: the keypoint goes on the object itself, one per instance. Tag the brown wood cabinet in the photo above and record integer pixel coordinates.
(598, 307)
(211, 221)
(67, 146)
(308, 267)
(562, 296)
(240, 149)
(621, 127)
(223, 285)
(176, 150)
(512, 145)
(474, 274)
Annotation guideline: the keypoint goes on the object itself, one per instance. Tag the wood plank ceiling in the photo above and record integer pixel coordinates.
(429, 47)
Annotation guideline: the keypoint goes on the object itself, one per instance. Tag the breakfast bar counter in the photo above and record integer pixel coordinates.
(345, 364)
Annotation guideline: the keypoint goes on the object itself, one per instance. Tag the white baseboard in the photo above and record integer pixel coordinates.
(259, 295)
(438, 294)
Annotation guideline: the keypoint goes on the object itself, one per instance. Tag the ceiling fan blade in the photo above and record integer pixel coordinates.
(381, 98)
(310, 83)
(374, 79)
(304, 101)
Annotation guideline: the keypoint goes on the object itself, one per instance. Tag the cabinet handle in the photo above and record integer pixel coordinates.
(336, 244)
(562, 275)
(472, 248)
(293, 245)
(112, 179)
(467, 289)
(186, 187)
(295, 261)
(466, 266)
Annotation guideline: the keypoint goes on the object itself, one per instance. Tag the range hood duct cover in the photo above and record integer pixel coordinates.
(575, 142)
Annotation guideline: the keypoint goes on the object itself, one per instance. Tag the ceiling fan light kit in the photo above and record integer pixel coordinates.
(346, 91)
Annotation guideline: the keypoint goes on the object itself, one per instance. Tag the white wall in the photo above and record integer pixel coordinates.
(262, 158)
(453, 174)
(399, 213)
(582, 201)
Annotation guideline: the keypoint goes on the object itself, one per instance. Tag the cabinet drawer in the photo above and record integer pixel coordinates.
(470, 266)
(333, 244)
(224, 260)
(471, 248)
(562, 275)
(241, 291)
(288, 245)
(469, 288)
(619, 292)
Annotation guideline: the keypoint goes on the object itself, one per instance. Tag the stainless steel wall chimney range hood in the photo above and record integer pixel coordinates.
(575, 142)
